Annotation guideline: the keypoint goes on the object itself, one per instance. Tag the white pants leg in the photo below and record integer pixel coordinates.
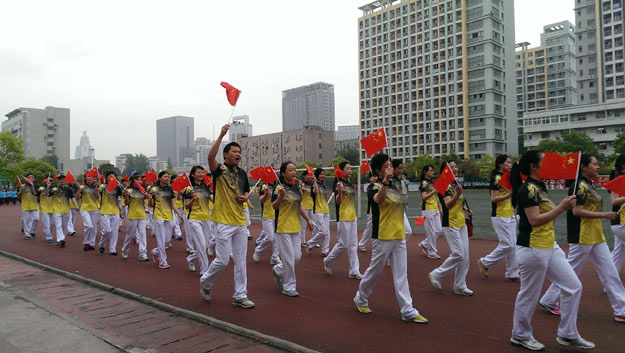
(90, 224)
(141, 237)
(110, 231)
(163, 236)
(506, 231)
(229, 240)
(131, 233)
(60, 221)
(29, 221)
(535, 265)
(383, 251)
(187, 232)
(321, 223)
(458, 260)
(347, 240)
(73, 213)
(618, 254)
(248, 221)
(366, 233)
(48, 223)
(150, 221)
(176, 225)
(268, 239)
(211, 234)
(407, 227)
(304, 225)
(433, 229)
(198, 232)
(290, 252)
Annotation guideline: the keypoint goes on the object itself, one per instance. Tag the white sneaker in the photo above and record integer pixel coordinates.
(255, 257)
(530, 344)
(211, 251)
(577, 343)
(328, 269)
(466, 292)
(244, 303)
(191, 267)
(143, 258)
(124, 255)
(275, 262)
(356, 276)
(435, 282)
(205, 293)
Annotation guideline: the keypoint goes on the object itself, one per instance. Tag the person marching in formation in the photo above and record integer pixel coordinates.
(196, 199)
(162, 202)
(47, 207)
(136, 219)
(618, 225)
(28, 204)
(73, 210)
(431, 210)
(321, 217)
(110, 210)
(504, 223)
(89, 197)
(366, 233)
(61, 197)
(398, 171)
(308, 188)
(267, 236)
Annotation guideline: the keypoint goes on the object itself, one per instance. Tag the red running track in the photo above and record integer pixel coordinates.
(324, 316)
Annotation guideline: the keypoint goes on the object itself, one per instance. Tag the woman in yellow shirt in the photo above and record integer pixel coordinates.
(47, 217)
(89, 197)
(29, 207)
(136, 219)
(287, 198)
(320, 218)
(309, 186)
(163, 204)
(267, 236)
(196, 202)
(431, 209)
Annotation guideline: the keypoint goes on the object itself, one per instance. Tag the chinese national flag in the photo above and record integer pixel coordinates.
(151, 177)
(419, 220)
(139, 187)
(112, 183)
(310, 170)
(231, 93)
(45, 180)
(57, 176)
(69, 178)
(338, 172)
(269, 175)
(19, 182)
(555, 166)
(102, 178)
(616, 185)
(257, 173)
(208, 180)
(365, 168)
(93, 173)
(180, 183)
(442, 182)
(125, 178)
(505, 180)
(374, 143)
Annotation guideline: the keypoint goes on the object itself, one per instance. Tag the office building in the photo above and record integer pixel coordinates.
(439, 76)
(240, 127)
(174, 139)
(84, 149)
(346, 137)
(311, 105)
(156, 164)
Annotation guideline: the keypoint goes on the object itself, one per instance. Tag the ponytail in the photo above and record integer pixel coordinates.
(523, 166)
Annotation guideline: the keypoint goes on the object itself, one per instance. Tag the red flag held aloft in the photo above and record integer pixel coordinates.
(374, 143)
(19, 182)
(92, 173)
(112, 183)
(151, 177)
(125, 178)
(616, 185)
(231, 93)
(419, 220)
(365, 168)
(257, 173)
(269, 175)
(442, 182)
(505, 180)
(310, 170)
(338, 172)
(555, 166)
(69, 178)
(180, 183)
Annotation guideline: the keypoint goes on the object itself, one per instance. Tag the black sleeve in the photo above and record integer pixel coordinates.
(217, 172)
(423, 187)
(246, 187)
(448, 191)
(335, 185)
(371, 191)
(528, 196)
(581, 194)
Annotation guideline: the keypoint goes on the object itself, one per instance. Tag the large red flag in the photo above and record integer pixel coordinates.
(231, 93)
(151, 177)
(338, 172)
(419, 220)
(69, 177)
(208, 180)
(257, 173)
(616, 185)
(112, 183)
(505, 180)
(269, 175)
(442, 182)
(180, 183)
(365, 168)
(310, 170)
(374, 143)
(555, 166)
(92, 173)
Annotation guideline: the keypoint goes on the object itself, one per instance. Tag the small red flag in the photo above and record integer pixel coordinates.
(57, 176)
(180, 183)
(257, 173)
(231, 93)
(112, 183)
(310, 170)
(505, 180)
(69, 178)
(151, 177)
(269, 175)
(419, 220)
(374, 143)
(365, 168)
(616, 185)
(92, 173)
(45, 180)
(19, 182)
(208, 180)
(555, 166)
(442, 182)
(125, 178)
(338, 172)
(139, 187)
(102, 178)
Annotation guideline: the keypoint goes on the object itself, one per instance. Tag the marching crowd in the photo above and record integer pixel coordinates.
(215, 219)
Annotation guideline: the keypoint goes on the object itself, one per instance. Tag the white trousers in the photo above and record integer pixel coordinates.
(90, 224)
(366, 234)
(109, 224)
(187, 232)
(212, 226)
(162, 230)
(248, 221)
(268, 238)
(149, 220)
(395, 252)
(48, 224)
(30, 219)
(229, 240)
(433, 229)
(505, 227)
(347, 240)
(599, 255)
(73, 214)
(618, 254)
(321, 231)
(135, 229)
(60, 221)
(407, 227)
(304, 225)
(535, 265)
(199, 233)
(176, 222)
(458, 260)
(290, 252)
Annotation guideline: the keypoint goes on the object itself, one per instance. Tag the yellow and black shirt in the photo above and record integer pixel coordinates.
(109, 205)
(587, 231)
(502, 208)
(267, 208)
(178, 203)
(387, 218)
(229, 183)
(45, 201)
(345, 212)
(88, 198)
(60, 198)
(307, 191)
(430, 204)
(200, 209)
(28, 201)
(454, 217)
(136, 205)
(288, 214)
(534, 193)
(320, 203)
(162, 202)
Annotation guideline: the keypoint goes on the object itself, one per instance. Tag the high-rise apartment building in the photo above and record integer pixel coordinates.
(311, 105)
(174, 139)
(439, 76)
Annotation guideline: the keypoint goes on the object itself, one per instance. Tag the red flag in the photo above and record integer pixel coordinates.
(69, 178)
(505, 180)
(139, 187)
(616, 185)
(45, 180)
(102, 178)
(112, 183)
(208, 180)
(180, 183)
(374, 143)
(310, 170)
(338, 172)
(19, 182)
(419, 220)
(365, 168)
(151, 177)
(125, 178)
(93, 173)
(57, 176)
(555, 166)
(269, 175)
(257, 173)
(231, 93)
(442, 182)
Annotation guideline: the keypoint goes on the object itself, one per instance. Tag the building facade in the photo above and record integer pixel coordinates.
(84, 149)
(309, 144)
(174, 139)
(240, 127)
(311, 105)
(346, 136)
(439, 76)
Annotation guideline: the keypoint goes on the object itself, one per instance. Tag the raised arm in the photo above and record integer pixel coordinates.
(212, 154)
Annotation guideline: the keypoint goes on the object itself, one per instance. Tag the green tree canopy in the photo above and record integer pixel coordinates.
(51, 159)
(619, 143)
(485, 166)
(106, 167)
(351, 154)
(571, 141)
(10, 150)
(38, 168)
(414, 168)
(138, 162)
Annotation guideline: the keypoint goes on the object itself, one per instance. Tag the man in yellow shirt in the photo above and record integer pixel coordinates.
(110, 211)
(47, 217)
(30, 209)
(62, 195)
(89, 197)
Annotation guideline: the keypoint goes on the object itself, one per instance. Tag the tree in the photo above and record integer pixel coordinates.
(619, 143)
(51, 159)
(139, 163)
(485, 166)
(571, 141)
(10, 150)
(351, 154)
(106, 167)
(38, 168)
(414, 168)
(468, 169)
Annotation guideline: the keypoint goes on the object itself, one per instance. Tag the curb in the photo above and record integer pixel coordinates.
(204, 319)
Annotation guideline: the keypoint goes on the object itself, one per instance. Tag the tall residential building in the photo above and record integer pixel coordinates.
(309, 144)
(240, 127)
(346, 136)
(202, 146)
(43, 131)
(84, 149)
(439, 76)
(599, 32)
(311, 105)
(174, 139)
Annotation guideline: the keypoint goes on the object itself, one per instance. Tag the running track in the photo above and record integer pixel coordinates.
(324, 317)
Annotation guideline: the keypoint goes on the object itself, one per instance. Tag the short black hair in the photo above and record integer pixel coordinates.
(378, 160)
(396, 162)
(229, 145)
(163, 172)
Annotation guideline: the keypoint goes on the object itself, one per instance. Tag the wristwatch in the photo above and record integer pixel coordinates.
(386, 184)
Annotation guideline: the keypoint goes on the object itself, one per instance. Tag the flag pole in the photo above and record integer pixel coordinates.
(330, 199)
(231, 114)
(579, 161)
(255, 185)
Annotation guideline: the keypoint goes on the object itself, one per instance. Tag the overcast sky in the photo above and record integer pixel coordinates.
(120, 65)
